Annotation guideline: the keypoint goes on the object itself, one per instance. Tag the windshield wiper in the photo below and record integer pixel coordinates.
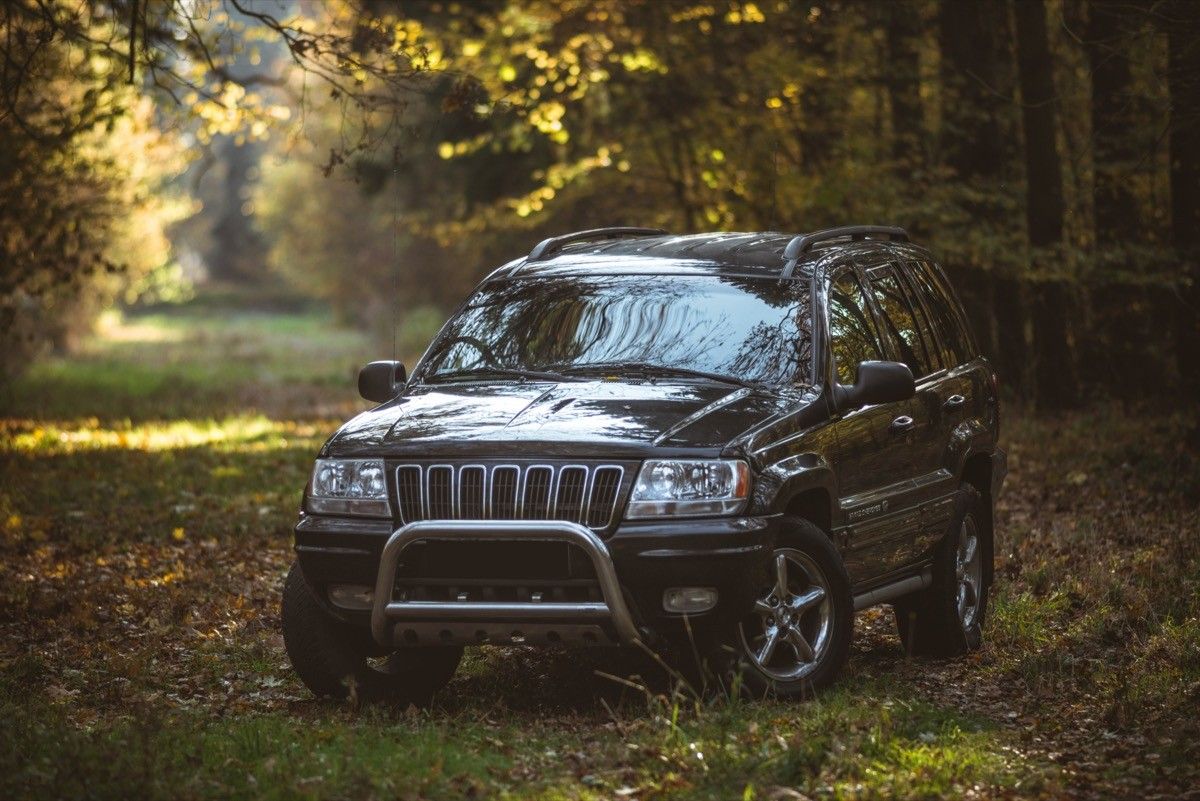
(498, 372)
(646, 368)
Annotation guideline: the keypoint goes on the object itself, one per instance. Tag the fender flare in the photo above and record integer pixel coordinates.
(788, 478)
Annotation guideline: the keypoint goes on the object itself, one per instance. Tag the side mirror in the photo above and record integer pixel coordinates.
(877, 382)
(378, 381)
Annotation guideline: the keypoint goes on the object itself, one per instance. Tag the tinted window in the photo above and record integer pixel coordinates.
(899, 321)
(945, 327)
(852, 332)
(933, 348)
(945, 313)
(754, 328)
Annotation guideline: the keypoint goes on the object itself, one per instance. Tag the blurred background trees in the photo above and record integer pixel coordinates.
(383, 156)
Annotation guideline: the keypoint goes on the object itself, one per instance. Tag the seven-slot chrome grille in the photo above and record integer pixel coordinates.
(580, 493)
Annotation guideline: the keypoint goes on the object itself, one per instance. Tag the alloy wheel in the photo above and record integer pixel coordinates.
(790, 629)
(969, 571)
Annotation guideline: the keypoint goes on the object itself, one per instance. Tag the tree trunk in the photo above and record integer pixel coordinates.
(1183, 77)
(1056, 383)
(1114, 119)
(902, 80)
(972, 144)
(971, 141)
(1117, 342)
(821, 101)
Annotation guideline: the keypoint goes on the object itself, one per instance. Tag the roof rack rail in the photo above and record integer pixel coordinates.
(803, 243)
(548, 247)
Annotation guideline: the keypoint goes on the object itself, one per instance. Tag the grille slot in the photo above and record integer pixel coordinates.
(579, 493)
(504, 492)
(605, 486)
(572, 483)
(470, 492)
(537, 493)
(408, 492)
(439, 495)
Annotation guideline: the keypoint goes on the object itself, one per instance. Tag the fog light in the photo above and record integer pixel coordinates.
(689, 600)
(351, 596)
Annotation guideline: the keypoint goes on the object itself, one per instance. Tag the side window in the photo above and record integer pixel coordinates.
(853, 336)
(919, 301)
(954, 325)
(942, 316)
(899, 320)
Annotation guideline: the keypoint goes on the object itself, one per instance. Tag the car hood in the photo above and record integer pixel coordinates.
(569, 419)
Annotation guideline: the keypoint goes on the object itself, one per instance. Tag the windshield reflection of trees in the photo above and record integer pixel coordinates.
(753, 328)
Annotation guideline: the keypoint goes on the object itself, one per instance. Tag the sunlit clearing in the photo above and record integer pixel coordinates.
(233, 433)
(115, 328)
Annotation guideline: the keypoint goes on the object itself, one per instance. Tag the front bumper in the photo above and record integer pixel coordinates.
(633, 568)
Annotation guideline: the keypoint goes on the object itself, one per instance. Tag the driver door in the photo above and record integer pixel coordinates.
(874, 444)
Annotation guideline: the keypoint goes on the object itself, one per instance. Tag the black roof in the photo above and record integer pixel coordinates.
(760, 253)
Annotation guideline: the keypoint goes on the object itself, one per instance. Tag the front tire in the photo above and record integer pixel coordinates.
(797, 638)
(333, 659)
(946, 618)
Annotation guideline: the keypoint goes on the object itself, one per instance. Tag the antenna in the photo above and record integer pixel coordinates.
(395, 249)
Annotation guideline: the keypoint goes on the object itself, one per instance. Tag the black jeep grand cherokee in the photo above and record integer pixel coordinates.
(630, 437)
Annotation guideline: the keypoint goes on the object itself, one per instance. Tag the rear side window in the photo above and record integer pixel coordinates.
(925, 329)
(853, 336)
(899, 320)
(946, 312)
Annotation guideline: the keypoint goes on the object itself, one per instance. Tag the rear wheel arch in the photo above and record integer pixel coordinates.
(977, 472)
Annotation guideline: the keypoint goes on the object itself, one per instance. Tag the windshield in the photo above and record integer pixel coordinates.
(750, 329)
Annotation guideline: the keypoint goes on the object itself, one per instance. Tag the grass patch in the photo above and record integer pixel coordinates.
(191, 362)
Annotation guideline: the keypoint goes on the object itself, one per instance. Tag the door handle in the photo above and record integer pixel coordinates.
(902, 424)
(954, 403)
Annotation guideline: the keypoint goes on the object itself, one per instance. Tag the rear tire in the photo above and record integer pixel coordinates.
(797, 638)
(946, 618)
(337, 660)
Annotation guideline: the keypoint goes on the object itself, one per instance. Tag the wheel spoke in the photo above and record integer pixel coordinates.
(968, 552)
(962, 599)
(972, 593)
(763, 608)
(768, 649)
(809, 599)
(797, 641)
(781, 578)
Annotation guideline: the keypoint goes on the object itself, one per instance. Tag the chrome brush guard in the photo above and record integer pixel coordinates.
(441, 622)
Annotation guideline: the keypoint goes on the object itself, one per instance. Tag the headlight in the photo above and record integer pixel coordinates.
(349, 486)
(690, 488)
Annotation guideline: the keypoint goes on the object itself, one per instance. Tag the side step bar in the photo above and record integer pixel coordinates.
(890, 592)
(387, 614)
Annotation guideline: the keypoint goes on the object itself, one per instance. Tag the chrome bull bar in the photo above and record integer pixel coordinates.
(386, 612)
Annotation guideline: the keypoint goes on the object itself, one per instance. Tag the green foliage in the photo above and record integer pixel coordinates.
(416, 145)
(538, 116)
(86, 211)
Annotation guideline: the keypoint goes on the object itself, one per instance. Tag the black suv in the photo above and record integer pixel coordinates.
(628, 437)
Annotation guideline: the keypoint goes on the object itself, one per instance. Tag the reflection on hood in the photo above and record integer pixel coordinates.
(508, 418)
